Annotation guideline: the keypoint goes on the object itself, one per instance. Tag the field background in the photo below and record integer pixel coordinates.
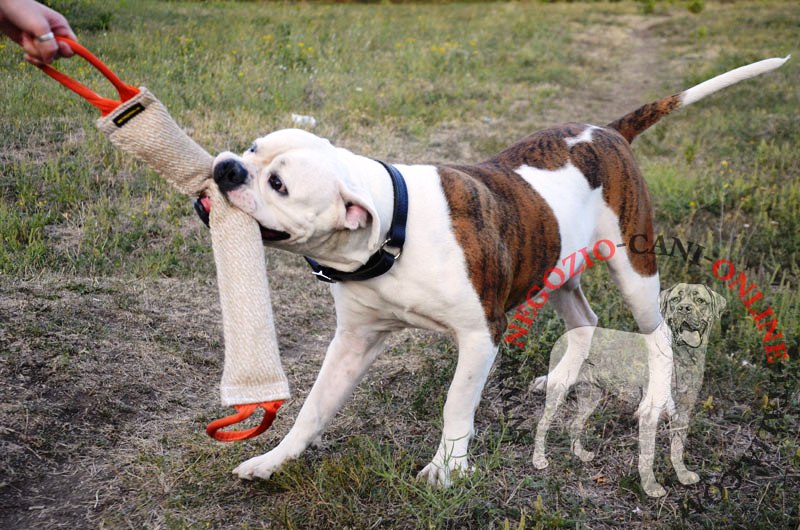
(110, 341)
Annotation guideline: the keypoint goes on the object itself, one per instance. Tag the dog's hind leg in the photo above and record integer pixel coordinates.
(637, 279)
(349, 355)
(580, 321)
(476, 353)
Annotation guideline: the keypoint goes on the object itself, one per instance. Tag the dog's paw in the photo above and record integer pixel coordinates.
(434, 475)
(441, 475)
(259, 467)
(539, 384)
(581, 453)
(687, 478)
(653, 489)
(540, 461)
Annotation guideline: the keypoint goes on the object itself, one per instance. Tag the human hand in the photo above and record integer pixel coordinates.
(34, 27)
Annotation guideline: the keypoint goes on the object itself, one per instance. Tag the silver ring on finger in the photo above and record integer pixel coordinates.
(46, 37)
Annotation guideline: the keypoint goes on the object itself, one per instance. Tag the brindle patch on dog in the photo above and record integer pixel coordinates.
(608, 160)
(492, 203)
(630, 125)
(545, 149)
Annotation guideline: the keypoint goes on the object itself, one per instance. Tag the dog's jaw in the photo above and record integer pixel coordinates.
(268, 235)
(690, 334)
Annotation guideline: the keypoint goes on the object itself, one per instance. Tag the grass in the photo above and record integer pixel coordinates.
(109, 337)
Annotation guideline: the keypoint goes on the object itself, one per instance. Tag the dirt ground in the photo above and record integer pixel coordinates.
(106, 374)
(98, 365)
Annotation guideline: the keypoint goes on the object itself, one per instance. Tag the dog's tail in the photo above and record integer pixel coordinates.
(633, 124)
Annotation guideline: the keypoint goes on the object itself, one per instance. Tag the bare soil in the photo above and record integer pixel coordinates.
(94, 365)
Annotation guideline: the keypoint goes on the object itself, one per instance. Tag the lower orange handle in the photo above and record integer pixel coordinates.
(245, 411)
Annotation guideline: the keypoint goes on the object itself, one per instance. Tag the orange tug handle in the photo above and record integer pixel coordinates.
(105, 105)
(245, 411)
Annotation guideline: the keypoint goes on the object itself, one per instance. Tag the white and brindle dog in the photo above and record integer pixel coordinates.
(616, 363)
(480, 240)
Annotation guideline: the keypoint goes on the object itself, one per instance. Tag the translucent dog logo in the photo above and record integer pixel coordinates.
(605, 361)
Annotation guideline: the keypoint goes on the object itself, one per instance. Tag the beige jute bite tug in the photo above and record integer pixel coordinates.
(252, 371)
(141, 126)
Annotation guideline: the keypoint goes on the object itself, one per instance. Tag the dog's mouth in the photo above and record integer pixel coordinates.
(692, 335)
(202, 206)
(268, 234)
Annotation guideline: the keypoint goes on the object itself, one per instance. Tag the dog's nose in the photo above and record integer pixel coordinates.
(684, 308)
(229, 174)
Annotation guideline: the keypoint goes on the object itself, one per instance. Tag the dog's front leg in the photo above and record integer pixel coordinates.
(657, 398)
(475, 357)
(349, 355)
(679, 427)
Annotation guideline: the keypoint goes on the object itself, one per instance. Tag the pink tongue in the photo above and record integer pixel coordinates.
(692, 338)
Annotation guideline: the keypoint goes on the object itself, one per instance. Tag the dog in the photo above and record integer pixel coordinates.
(616, 362)
(452, 248)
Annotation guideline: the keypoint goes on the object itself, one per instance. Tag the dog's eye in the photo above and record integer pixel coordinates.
(276, 184)
(699, 301)
(252, 149)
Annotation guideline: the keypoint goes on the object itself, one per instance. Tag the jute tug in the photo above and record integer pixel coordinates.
(140, 125)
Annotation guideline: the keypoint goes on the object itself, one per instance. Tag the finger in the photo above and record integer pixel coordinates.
(64, 50)
(60, 25)
(31, 52)
(33, 60)
(47, 50)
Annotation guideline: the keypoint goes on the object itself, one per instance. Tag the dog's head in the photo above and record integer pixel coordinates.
(299, 188)
(689, 310)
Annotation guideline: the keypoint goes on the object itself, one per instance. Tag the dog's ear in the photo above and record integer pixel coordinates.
(360, 213)
(356, 217)
(663, 300)
(718, 302)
